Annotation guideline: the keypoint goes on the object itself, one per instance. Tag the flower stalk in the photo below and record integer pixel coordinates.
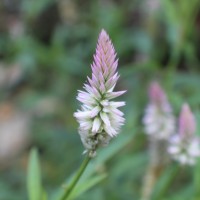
(99, 118)
(76, 178)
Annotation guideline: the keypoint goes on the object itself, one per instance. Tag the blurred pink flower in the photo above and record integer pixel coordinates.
(185, 146)
(156, 94)
(158, 120)
(187, 124)
(99, 118)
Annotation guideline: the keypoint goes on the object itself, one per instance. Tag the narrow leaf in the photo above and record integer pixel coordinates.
(165, 182)
(34, 185)
(84, 186)
(197, 180)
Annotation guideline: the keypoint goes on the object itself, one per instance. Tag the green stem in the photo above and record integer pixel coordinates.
(76, 178)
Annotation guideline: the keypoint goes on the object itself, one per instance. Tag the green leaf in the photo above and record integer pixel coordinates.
(86, 185)
(103, 156)
(184, 193)
(197, 180)
(165, 182)
(34, 184)
(44, 195)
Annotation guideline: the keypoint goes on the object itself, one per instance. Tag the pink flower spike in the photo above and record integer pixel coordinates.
(99, 118)
(184, 146)
(158, 120)
(187, 124)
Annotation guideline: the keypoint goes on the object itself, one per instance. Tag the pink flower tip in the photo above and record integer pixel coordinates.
(187, 124)
(103, 33)
(156, 93)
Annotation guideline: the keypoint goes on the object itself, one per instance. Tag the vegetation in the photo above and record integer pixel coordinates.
(46, 49)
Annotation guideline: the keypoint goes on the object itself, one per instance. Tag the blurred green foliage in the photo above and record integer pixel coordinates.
(53, 43)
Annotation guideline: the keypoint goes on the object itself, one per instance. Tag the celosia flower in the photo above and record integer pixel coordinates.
(158, 120)
(99, 117)
(184, 146)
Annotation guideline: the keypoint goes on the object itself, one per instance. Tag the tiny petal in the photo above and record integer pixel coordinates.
(82, 115)
(110, 130)
(86, 125)
(105, 118)
(95, 111)
(96, 125)
(116, 111)
(105, 103)
(194, 149)
(112, 95)
(117, 104)
(173, 150)
(183, 159)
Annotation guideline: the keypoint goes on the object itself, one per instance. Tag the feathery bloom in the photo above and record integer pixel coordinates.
(158, 120)
(99, 117)
(185, 146)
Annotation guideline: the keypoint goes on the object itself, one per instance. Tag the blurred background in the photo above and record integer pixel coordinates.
(46, 48)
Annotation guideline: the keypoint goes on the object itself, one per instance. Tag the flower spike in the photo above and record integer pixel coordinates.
(158, 120)
(99, 117)
(187, 124)
(184, 146)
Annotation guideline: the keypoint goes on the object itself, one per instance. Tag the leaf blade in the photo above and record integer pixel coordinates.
(34, 182)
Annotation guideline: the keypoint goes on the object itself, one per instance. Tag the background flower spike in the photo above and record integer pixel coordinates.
(184, 146)
(187, 124)
(158, 120)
